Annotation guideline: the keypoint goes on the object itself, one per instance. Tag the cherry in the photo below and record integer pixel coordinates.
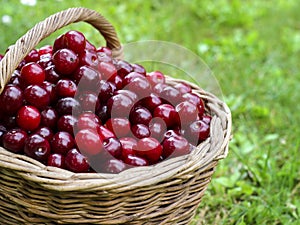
(49, 118)
(105, 50)
(32, 56)
(58, 43)
(89, 46)
(89, 142)
(123, 68)
(32, 73)
(56, 160)
(140, 115)
(117, 81)
(133, 96)
(9, 122)
(68, 106)
(45, 132)
(46, 49)
(62, 142)
(119, 105)
(171, 95)
(140, 131)
(197, 131)
(28, 118)
(14, 140)
(113, 147)
(102, 113)
(196, 100)
(106, 91)
(105, 133)
(45, 61)
(175, 145)
(187, 112)
(87, 78)
(149, 148)
(138, 68)
(89, 101)
(51, 75)
(89, 58)
(168, 113)
(102, 57)
(75, 41)
(114, 166)
(107, 70)
(120, 126)
(37, 148)
(50, 88)
(11, 99)
(88, 120)
(157, 128)
(151, 102)
(76, 162)
(65, 88)
(135, 161)
(158, 88)
(37, 96)
(183, 88)
(65, 61)
(156, 77)
(67, 123)
(128, 146)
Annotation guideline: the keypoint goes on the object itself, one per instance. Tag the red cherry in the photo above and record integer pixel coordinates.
(28, 118)
(105, 133)
(183, 88)
(14, 140)
(113, 147)
(175, 145)
(89, 58)
(138, 68)
(46, 49)
(140, 131)
(89, 142)
(33, 56)
(67, 123)
(88, 121)
(75, 41)
(37, 148)
(65, 61)
(45, 132)
(140, 115)
(197, 131)
(196, 100)
(120, 126)
(62, 142)
(168, 113)
(149, 148)
(114, 166)
(76, 162)
(128, 146)
(32, 73)
(49, 118)
(123, 68)
(51, 75)
(56, 160)
(107, 70)
(135, 161)
(187, 112)
(37, 96)
(157, 128)
(87, 78)
(65, 88)
(156, 77)
(89, 101)
(11, 99)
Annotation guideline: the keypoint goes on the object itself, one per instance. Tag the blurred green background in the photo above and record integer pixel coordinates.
(253, 49)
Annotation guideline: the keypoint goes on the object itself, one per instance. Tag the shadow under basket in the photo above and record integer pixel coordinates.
(166, 193)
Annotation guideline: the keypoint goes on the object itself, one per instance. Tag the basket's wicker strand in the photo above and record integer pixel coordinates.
(43, 29)
(166, 193)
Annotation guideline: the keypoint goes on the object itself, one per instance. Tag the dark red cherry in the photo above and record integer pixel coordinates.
(156, 77)
(120, 126)
(133, 96)
(88, 101)
(138, 68)
(187, 112)
(56, 160)
(88, 120)
(51, 75)
(49, 118)
(75, 41)
(87, 78)
(65, 61)
(62, 142)
(196, 100)
(197, 131)
(128, 146)
(76, 162)
(140, 131)
(44, 132)
(3, 131)
(151, 102)
(105, 133)
(107, 70)
(37, 96)
(32, 73)
(45, 61)
(65, 88)
(106, 90)
(32, 56)
(37, 148)
(175, 145)
(67, 106)
(11, 99)
(89, 142)
(28, 118)
(134, 160)
(149, 148)
(183, 88)
(14, 140)
(119, 105)
(50, 88)
(46, 49)
(113, 147)
(168, 113)
(89, 46)
(117, 81)
(67, 123)
(58, 43)
(114, 166)
(105, 50)
(123, 68)
(89, 58)
(171, 95)
(140, 115)
(157, 127)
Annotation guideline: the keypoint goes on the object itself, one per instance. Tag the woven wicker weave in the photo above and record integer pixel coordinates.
(166, 193)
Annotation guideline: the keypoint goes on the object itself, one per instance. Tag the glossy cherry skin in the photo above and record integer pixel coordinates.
(196, 100)
(88, 120)
(56, 160)
(105, 133)
(89, 58)
(14, 140)
(49, 118)
(89, 142)
(87, 78)
(134, 160)
(140, 131)
(140, 115)
(44, 132)
(67, 123)
(117, 81)
(183, 88)
(156, 77)
(197, 131)
(123, 68)
(149, 148)
(32, 73)
(119, 105)
(46, 49)
(11, 99)
(75, 41)
(62, 142)
(113, 147)
(89, 101)
(67, 106)
(107, 70)
(105, 50)
(89, 46)
(45, 61)
(28, 118)
(65, 61)
(114, 166)
(65, 88)
(76, 162)
(139, 85)
(187, 111)
(138, 68)
(168, 113)
(157, 127)
(128, 146)
(133, 96)
(50, 88)
(151, 102)
(32, 56)
(37, 148)
(106, 90)
(58, 43)
(175, 145)
(37, 96)
(51, 75)
(171, 95)
(120, 126)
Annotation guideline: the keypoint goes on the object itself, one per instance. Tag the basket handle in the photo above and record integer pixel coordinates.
(43, 29)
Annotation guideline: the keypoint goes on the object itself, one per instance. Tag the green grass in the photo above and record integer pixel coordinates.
(253, 49)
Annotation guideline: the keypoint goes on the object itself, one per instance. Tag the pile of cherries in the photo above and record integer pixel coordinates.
(74, 106)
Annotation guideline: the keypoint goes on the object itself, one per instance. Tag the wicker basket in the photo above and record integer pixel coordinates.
(166, 193)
